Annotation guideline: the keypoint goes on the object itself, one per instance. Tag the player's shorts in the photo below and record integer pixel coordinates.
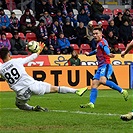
(37, 88)
(105, 70)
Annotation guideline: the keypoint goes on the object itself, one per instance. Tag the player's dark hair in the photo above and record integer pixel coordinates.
(97, 28)
(3, 53)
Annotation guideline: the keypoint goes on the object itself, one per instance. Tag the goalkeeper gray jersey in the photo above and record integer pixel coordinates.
(14, 72)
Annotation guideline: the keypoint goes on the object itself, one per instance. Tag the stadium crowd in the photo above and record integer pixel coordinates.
(61, 23)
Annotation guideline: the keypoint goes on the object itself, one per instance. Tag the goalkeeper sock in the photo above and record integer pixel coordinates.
(93, 95)
(114, 86)
(64, 89)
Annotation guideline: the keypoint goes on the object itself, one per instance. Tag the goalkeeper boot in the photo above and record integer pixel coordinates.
(39, 108)
(127, 117)
(88, 105)
(125, 94)
(81, 91)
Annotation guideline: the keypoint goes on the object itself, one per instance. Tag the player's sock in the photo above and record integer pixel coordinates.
(93, 95)
(114, 86)
(64, 89)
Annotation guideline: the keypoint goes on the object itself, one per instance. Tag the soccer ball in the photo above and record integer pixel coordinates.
(33, 46)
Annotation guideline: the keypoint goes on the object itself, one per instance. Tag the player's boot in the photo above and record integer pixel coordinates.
(39, 108)
(127, 117)
(125, 94)
(81, 91)
(88, 105)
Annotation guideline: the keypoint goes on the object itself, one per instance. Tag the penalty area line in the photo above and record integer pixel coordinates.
(72, 112)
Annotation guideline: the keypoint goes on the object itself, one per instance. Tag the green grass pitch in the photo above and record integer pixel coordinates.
(65, 115)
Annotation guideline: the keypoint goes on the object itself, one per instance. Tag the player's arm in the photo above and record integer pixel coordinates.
(128, 48)
(34, 55)
(91, 53)
(107, 50)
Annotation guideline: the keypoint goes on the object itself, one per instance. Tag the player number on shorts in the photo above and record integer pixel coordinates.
(13, 76)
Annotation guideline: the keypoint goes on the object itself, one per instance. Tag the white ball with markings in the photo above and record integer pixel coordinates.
(33, 46)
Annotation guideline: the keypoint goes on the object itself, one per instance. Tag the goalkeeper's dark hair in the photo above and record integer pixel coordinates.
(3, 53)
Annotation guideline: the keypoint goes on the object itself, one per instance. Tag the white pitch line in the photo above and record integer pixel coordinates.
(72, 112)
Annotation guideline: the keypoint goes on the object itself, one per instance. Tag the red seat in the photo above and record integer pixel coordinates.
(109, 12)
(131, 12)
(94, 23)
(104, 23)
(121, 46)
(115, 11)
(9, 35)
(85, 48)
(75, 47)
(131, 51)
(21, 35)
(31, 36)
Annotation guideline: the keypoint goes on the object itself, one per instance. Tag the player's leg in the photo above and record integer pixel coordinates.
(105, 74)
(127, 117)
(64, 89)
(22, 104)
(40, 88)
(94, 91)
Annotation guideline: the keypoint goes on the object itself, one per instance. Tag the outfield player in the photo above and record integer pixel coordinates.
(128, 116)
(104, 70)
(19, 81)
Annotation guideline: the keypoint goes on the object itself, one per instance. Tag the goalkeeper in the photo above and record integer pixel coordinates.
(128, 116)
(24, 85)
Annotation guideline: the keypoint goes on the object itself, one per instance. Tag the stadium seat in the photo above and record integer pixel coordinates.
(9, 35)
(85, 48)
(94, 23)
(109, 12)
(21, 35)
(7, 12)
(115, 11)
(17, 12)
(104, 23)
(131, 12)
(75, 47)
(131, 51)
(121, 46)
(37, 22)
(31, 36)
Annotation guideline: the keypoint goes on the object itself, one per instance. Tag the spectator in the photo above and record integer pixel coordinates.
(65, 7)
(3, 4)
(17, 45)
(81, 34)
(83, 17)
(116, 50)
(64, 44)
(112, 27)
(125, 32)
(4, 21)
(42, 4)
(112, 41)
(52, 8)
(47, 20)
(27, 22)
(74, 60)
(87, 7)
(5, 41)
(1, 43)
(42, 33)
(72, 18)
(70, 32)
(14, 22)
(53, 44)
(127, 17)
(73, 3)
(118, 19)
(97, 11)
(89, 33)
(60, 18)
(56, 28)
